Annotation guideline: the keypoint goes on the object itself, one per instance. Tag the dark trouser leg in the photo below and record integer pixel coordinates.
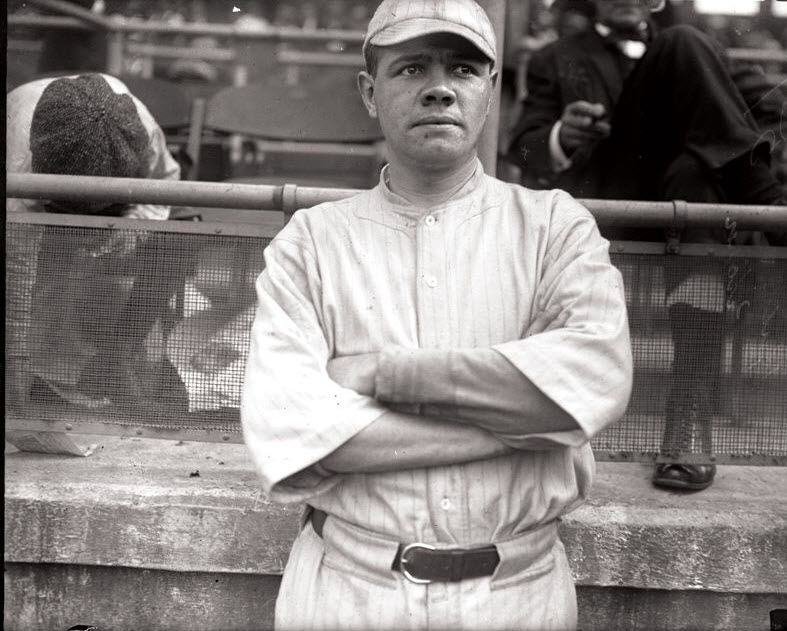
(158, 275)
(698, 344)
(696, 333)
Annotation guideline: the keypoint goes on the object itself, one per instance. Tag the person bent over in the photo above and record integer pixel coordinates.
(85, 330)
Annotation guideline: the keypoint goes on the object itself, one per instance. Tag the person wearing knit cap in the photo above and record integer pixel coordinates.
(81, 126)
(88, 125)
(429, 360)
(85, 125)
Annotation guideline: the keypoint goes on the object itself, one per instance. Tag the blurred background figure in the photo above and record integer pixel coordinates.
(251, 17)
(626, 110)
(194, 68)
(68, 49)
(97, 294)
(573, 16)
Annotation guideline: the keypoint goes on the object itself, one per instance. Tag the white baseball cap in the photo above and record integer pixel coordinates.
(397, 21)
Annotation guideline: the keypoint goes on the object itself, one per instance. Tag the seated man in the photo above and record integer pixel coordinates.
(622, 111)
(429, 360)
(84, 330)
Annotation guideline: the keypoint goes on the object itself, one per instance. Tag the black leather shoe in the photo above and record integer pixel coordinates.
(691, 477)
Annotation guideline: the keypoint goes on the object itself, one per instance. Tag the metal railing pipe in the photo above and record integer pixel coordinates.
(289, 33)
(67, 8)
(165, 192)
(137, 25)
(302, 58)
(647, 214)
(761, 55)
(221, 55)
(289, 197)
(49, 22)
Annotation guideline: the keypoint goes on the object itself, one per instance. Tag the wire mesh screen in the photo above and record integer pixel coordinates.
(150, 329)
(709, 340)
(129, 327)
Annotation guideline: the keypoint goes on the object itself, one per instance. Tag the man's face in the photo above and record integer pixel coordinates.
(431, 96)
(621, 15)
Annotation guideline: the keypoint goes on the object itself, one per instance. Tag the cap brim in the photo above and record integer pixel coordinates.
(418, 27)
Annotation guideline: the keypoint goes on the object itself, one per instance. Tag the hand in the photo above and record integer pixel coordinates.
(356, 372)
(582, 124)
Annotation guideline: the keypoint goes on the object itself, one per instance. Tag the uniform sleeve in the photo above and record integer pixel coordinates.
(20, 104)
(577, 348)
(293, 414)
(576, 351)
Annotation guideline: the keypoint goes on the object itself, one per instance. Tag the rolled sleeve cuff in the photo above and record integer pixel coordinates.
(591, 408)
(305, 485)
(560, 161)
(413, 375)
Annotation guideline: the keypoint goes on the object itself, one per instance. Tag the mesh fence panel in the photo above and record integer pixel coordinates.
(150, 329)
(129, 327)
(709, 340)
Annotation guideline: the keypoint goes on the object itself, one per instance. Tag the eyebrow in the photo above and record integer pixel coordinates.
(411, 57)
(443, 54)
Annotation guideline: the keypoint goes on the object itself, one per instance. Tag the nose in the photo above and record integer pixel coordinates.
(438, 93)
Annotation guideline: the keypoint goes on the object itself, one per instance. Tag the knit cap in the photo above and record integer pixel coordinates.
(81, 126)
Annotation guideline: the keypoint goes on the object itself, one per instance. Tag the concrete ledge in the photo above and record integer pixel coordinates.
(176, 511)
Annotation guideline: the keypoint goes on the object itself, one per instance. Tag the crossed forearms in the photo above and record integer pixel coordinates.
(477, 386)
(397, 441)
(446, 434)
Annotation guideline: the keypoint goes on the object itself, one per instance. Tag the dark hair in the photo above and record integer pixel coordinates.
(371, 56)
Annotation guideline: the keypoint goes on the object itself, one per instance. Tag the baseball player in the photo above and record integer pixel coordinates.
(429, 360)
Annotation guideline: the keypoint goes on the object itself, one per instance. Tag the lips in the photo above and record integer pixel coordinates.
(436, 120)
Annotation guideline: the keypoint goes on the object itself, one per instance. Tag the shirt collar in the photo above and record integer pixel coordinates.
(606, 32)
(630, 47)
(407, 208)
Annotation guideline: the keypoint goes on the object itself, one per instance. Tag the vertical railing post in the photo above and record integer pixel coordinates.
(115, 45)
(487, 146)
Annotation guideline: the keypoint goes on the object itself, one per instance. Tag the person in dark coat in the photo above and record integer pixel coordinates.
(623, 111)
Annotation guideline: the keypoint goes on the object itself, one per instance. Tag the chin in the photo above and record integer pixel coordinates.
(440, 157)
(440, 151)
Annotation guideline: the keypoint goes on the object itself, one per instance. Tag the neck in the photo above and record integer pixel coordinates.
(426, 188)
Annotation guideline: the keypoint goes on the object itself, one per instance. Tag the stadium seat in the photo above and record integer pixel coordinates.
(315, 134)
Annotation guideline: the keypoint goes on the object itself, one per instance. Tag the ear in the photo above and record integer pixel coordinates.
(366, 88)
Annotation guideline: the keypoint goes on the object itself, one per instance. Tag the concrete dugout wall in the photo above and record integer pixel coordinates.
(153, 534)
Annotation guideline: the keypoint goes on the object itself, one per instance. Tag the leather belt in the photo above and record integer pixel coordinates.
(422, 563)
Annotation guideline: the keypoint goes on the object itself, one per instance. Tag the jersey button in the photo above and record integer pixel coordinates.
(430, 220)
(430, 281)
(445, 504)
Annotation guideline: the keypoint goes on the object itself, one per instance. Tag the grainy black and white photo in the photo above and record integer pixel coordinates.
(425, 315)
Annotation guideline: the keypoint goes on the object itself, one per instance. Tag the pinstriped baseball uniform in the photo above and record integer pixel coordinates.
(464, 300)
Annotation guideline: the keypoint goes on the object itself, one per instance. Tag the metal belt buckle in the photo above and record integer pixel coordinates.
(403, 562)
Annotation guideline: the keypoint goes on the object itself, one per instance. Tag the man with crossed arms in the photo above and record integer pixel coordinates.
(429, 360)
